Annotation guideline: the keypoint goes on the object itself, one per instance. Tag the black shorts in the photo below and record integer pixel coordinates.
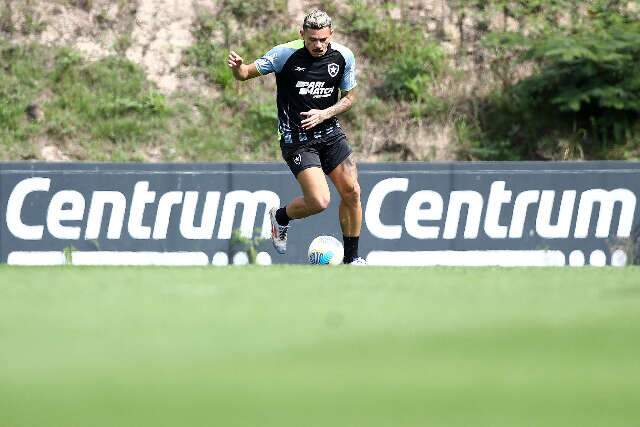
(326, 153)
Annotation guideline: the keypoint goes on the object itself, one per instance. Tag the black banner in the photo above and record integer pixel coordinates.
(507, 213)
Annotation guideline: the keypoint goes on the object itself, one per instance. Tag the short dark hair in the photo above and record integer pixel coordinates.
(316, 19)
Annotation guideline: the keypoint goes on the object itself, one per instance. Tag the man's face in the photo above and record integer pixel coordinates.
(316, 41)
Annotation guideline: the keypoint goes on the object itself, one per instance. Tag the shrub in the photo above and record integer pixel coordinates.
(412, 74)
(409, 60)
(209, 55)
(584, 92)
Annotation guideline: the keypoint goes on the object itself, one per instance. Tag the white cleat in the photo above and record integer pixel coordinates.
(278, 233)
(358, 261)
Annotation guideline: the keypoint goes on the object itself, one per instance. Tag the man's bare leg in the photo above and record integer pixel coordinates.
(315, 199)
(315, 194)
(345, 178)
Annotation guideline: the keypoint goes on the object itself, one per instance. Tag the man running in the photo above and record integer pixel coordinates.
(310, 73)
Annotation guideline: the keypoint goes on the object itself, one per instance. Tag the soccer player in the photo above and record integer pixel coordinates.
(310, 73)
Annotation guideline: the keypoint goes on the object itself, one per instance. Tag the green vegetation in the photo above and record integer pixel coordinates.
(248, 110)
(582, 96)
(408, 60)
(107, 104)
(108, 110)
(500, 80)
(294, 345)
(249, 245)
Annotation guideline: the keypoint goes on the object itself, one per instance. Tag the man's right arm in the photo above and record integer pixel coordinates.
(240, 70)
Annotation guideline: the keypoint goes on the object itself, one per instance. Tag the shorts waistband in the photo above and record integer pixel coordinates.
(310, 136)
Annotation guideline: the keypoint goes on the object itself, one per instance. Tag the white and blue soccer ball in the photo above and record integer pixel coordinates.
(325, 250)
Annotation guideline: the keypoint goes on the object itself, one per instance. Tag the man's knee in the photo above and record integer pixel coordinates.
(317, 204)
(351, 194)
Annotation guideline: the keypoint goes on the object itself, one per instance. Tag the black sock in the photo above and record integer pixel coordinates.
(350, 248)
(282, 217)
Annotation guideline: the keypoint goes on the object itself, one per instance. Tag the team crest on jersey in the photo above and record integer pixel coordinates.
(333, 69)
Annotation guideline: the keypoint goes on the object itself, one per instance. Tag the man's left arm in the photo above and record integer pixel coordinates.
(315, 117)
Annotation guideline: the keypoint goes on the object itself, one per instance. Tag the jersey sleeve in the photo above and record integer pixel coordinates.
(273, 61)
(349, 77)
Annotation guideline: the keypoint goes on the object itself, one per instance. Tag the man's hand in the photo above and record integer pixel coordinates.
(314, 118)
(240, 70)
(234, 61)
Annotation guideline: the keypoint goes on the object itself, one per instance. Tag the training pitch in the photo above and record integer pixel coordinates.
(303, 346)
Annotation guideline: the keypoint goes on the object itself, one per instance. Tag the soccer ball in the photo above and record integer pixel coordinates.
(325, 250)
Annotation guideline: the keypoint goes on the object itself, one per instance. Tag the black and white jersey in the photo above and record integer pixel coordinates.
(305, 83)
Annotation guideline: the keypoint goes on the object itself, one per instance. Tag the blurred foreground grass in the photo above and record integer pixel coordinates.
(299, 346)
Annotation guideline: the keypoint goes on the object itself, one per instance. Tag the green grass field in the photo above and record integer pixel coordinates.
(300, 346)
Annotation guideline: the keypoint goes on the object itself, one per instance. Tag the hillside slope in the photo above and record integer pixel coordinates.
(146, 79)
